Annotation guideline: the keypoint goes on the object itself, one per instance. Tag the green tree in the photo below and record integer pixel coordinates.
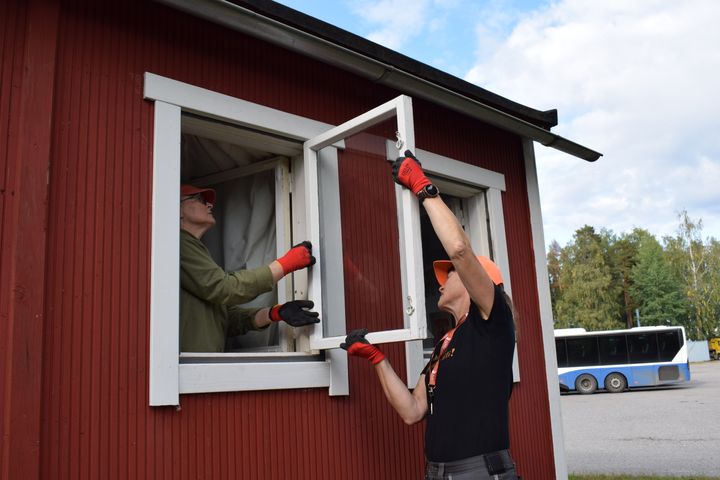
(554, 268)
(588, 295)
(655, 289)
(624, 256)
(697, 265)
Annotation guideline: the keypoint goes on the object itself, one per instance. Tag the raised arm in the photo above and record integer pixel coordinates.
(457, 246)
(408, 172)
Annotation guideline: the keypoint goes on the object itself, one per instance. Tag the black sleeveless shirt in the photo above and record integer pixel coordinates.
(473, 386)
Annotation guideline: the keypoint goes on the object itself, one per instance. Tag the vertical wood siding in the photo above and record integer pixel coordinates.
(26, 99)
(12, 33)
(95, 418)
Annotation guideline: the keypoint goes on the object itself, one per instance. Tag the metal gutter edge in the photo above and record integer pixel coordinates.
(275, 32)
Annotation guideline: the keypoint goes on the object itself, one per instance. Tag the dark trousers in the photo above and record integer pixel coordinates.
(490, 466)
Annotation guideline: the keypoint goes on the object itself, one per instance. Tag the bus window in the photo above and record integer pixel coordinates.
(643, 347)
(582, 351)
(669, 344)
(613, 349)
(561, 352)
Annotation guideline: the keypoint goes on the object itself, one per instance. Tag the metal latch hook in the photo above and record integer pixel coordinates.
(410, 308)
(399, 142)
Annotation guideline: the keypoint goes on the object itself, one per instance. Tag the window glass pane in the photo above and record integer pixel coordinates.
(561, 351)
(582, 351)
(642, 347)
(381, 263)
(613, 349)
(369, 222)
(668, 344)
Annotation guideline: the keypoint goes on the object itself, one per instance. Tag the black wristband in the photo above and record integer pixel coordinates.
(428, 191)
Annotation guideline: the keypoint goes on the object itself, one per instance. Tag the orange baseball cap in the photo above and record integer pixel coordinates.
(443, 267)
(187, 190)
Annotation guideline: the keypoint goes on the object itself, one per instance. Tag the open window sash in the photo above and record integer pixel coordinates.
(408, 227)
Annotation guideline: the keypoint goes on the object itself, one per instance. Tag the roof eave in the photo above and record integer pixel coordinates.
(404, 74)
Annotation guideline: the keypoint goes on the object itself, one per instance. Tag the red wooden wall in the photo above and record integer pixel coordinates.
(74, 338)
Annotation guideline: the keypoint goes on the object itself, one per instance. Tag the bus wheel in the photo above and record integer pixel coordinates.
(615, 383)
(586, 383)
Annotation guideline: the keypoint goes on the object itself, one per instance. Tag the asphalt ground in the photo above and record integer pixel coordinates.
(669, 431)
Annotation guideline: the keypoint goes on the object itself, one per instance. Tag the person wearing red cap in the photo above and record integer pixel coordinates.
(210, 297)
(464, 390)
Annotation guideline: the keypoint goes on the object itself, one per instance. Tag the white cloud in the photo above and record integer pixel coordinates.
(398, 20)
(635, 80)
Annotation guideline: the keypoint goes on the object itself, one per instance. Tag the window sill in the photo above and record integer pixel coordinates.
(245, 376)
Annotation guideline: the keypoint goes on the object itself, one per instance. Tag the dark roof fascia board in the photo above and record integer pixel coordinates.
(275, 31)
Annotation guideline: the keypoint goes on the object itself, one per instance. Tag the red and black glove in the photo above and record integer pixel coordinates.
(300, 256)
(408, 173)
(295, 313)
(356, 344)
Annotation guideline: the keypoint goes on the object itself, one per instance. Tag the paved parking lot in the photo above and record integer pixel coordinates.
(669, 431)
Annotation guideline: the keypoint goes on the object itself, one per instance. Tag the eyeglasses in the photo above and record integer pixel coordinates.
(198, 197)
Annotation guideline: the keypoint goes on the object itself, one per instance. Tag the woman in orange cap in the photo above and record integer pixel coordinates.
(463, 391)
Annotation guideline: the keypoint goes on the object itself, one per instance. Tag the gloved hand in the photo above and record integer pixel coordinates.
(356, 344)
(408, 173)
(299, 256)
(295, 313)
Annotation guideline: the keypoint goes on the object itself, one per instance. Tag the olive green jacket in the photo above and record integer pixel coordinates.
(209, 297)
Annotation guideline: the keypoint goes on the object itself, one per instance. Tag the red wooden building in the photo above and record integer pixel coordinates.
(105, 107)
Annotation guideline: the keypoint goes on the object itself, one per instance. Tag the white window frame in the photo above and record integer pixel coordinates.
(408, 226)
(168, 377)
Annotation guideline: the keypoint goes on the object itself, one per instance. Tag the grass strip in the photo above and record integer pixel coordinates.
(631, 477)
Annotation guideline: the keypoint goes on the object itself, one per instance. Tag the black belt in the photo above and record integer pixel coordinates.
(494, 463)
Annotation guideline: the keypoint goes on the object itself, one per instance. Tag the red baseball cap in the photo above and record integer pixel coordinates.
(443, 267)
(187, 190)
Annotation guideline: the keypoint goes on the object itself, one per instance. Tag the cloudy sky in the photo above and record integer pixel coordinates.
(638, 80)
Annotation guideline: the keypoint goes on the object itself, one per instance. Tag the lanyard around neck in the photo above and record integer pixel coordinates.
(446, 341)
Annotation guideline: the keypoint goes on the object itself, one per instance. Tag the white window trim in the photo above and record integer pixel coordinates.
(169, 378)
(165, 251)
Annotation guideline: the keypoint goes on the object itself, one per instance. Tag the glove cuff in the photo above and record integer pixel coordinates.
(286, 265)
(377, 356)
(420, 184)
(274, 313)
(367, 350)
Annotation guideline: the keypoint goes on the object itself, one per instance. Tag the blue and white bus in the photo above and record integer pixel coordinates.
(620, 359)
